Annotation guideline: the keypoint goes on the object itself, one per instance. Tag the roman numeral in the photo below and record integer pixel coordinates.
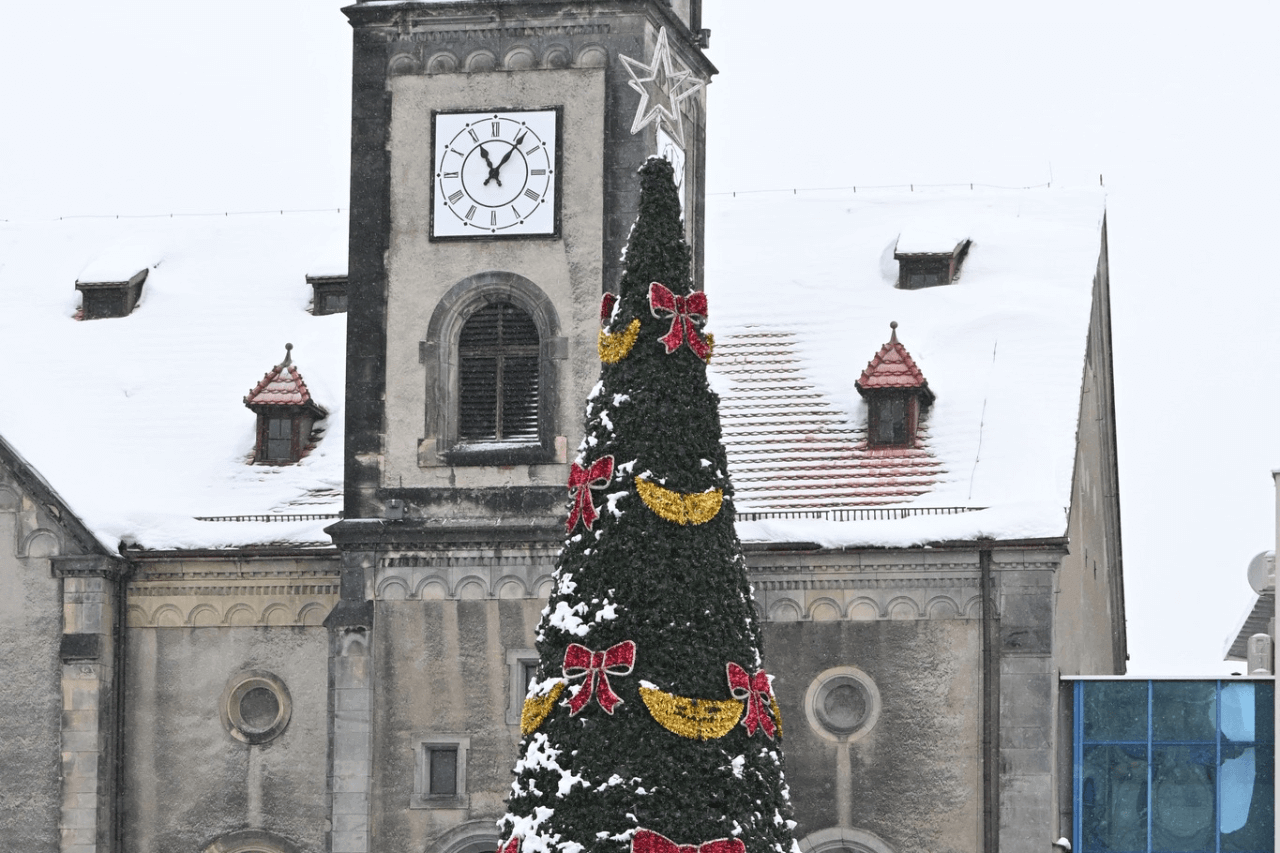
(493, 218)
(518, 214)
(456, 197)
(472, 133)
(451, 174)
(537, 171)
(534, 150)
(531, 194)
(497, 128)
(471, 213)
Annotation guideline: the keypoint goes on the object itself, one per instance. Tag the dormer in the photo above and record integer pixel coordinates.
(286, 414)
(897, 394)
(329, 294)
(928, 258)
(103, 299)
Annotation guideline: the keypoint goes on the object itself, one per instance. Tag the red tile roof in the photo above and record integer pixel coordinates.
(892, 367)
(282, 386)
(789, 447)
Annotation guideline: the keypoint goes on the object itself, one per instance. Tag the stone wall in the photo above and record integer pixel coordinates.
(31, 702)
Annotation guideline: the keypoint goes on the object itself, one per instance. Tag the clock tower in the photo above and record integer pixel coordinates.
(495, 145)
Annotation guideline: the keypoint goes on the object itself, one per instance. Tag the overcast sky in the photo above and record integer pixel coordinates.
(144, 107)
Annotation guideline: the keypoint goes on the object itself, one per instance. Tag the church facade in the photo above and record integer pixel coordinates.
(301, 618)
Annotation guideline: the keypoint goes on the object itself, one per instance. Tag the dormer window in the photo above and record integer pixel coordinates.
(103, 299)
(928, 261)
(286, 414)
(897, 395)
(329, 294)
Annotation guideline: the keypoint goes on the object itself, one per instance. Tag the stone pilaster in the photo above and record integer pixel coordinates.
(350, 627)
(90, 703)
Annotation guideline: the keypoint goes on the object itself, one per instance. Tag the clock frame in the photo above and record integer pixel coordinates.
(495, 174)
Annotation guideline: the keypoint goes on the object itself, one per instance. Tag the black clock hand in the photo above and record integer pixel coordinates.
(493, 172)
(515, 145)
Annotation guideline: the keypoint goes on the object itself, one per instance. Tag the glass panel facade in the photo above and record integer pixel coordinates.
(1174, 766)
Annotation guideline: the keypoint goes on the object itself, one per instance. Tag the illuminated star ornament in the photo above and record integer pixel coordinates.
(663, 84)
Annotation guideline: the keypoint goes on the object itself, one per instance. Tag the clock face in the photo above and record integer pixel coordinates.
(495, 174)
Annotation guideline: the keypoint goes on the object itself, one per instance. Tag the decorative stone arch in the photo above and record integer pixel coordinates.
(402, 64)
(168, 616)
(593, 56)
(519, 58)
(472, 588)
(433, 588)
(481, 60)
(784, 610)
(474, 836)
(510, 587)
(9, 500)
(251, 841)
(825, 610)
(904, 607)
(440, 356)
(863, 610)
(41, 543)
(442, 62)
(312, 615)
(839, 839)
(542, 587)
(204, 616)
(394, 588)
(942, 607)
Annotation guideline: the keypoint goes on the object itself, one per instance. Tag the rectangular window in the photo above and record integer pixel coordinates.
(1174, 766)
(443, 775)
(888, 420)
(440, 773)
(280, 440)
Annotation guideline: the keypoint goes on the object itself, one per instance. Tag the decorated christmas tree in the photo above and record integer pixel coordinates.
(651, 726)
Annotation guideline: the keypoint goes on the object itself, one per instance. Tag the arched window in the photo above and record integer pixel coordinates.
(493, 354)
(498, 376)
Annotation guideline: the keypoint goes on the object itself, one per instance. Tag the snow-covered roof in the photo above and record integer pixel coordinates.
(139, 424)
(1003, 349)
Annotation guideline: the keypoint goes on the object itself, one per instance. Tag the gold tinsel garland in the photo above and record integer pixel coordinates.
(697, 719)
(678, 508)
(614, 348)
(777, 714)
(536, 708)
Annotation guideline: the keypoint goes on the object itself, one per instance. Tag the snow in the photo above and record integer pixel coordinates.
(1003, 348)
(138, 422)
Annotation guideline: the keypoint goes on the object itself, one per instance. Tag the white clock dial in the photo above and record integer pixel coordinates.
(495, 174)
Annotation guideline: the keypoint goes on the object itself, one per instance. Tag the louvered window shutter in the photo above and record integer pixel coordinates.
(498, 375)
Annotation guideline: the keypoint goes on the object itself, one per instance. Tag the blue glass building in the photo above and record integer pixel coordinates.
(1174, 766)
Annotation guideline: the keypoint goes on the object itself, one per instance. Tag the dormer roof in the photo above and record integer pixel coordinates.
(893, 368)
(283, 386)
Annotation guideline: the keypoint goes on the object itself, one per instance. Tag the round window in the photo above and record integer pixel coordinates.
(255, 707)
(842, 704)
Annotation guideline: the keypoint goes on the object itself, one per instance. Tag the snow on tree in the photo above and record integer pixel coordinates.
(651, 726)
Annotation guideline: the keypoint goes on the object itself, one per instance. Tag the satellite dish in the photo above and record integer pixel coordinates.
(1262, 572)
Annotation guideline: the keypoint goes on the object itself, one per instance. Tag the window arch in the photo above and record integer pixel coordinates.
(492, 355)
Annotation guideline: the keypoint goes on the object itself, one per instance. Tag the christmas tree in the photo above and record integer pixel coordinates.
(651, 726)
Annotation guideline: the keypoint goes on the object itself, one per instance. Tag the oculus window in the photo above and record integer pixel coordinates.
(1175, 766)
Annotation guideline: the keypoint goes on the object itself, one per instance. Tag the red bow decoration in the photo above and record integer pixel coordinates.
(606, 305)
(597, 667)
(512, 846)
(648, 841)
(755, 689)
(581, 482)
(684, 309)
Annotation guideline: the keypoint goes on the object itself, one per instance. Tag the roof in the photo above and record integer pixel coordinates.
(139, 421)
(791, 448)
(1004, 351)
(892, 367)
(282, 385)
(801, 288)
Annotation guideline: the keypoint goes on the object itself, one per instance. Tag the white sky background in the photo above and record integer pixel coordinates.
(136, 107)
